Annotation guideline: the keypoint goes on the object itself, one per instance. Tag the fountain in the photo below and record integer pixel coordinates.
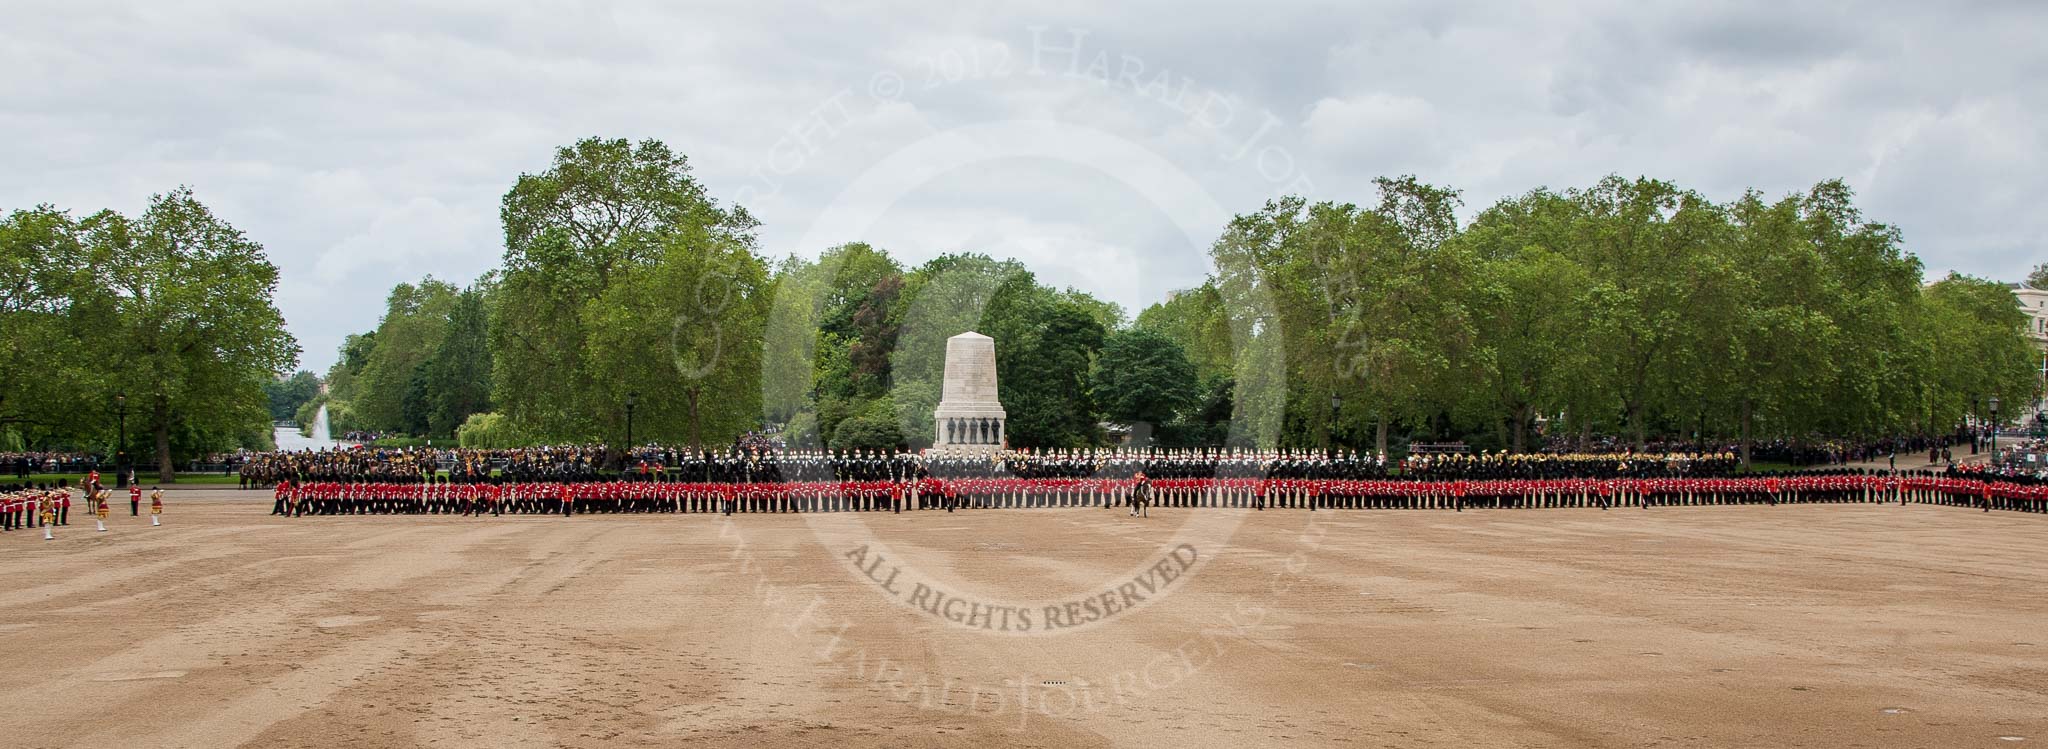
(289, 438)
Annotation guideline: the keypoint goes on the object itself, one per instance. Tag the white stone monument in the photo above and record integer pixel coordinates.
(970, 417)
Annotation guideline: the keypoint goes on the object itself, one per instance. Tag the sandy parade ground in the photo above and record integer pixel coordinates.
(1792, 626)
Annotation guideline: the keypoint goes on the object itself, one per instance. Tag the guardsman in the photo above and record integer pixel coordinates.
(156, 506)
(134, 500)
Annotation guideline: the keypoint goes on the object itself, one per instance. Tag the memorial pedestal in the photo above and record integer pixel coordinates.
(970, 417)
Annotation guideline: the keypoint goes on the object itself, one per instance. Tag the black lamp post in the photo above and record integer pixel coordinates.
(1977, 416)
(1336, 406)
(1994, 430)
(121, 448)
(632, 399)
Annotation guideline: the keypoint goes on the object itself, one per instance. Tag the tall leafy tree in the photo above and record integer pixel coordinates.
(946, 296)
(414, 325)
(458, 376)
(1357, 303)
(1636, 236)
(1196, 321)
(1525, 301)
(1143, 378)
(51, 311)
(194, 321)
(790, 340)
(1873, 285)
(287, 394)
(1980, 350)
(1045, 346)
(1393, 281)
(603, 212)
(685, 335)
(1779, 340)
(342, 379)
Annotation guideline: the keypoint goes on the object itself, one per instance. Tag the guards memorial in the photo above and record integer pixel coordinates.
(969, 417)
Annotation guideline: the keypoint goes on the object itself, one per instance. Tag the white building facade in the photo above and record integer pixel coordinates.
(2035, 302)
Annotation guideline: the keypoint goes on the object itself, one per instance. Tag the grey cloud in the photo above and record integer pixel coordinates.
(368, 143)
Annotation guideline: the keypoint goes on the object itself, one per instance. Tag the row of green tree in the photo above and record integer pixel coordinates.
(624, 283)
(1632, 308)
(161, 323)
(423, 371)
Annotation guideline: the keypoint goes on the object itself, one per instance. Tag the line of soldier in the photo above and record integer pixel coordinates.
(955, 488)
(48, 506)
(25, 506)
(1967, 488)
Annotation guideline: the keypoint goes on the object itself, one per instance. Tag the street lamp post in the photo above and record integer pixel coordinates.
(1994, 430)
(1994, 445)
(1330, 440)
(1977, 419)
(121, 447)
(632, 399)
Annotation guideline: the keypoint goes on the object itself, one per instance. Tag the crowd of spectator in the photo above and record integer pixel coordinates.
(22, 464)
(2021, 457)
(765, 440)
(1799, 453)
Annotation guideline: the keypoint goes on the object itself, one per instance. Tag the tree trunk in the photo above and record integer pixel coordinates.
(1635, 426)
(696, 432)
(1747, 408)
(1379, 440)
(1519, 441)
(164, 471)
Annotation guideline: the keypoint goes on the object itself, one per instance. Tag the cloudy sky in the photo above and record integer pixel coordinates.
(366, 144)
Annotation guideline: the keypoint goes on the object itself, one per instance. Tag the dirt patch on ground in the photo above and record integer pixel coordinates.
(1830, 625)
